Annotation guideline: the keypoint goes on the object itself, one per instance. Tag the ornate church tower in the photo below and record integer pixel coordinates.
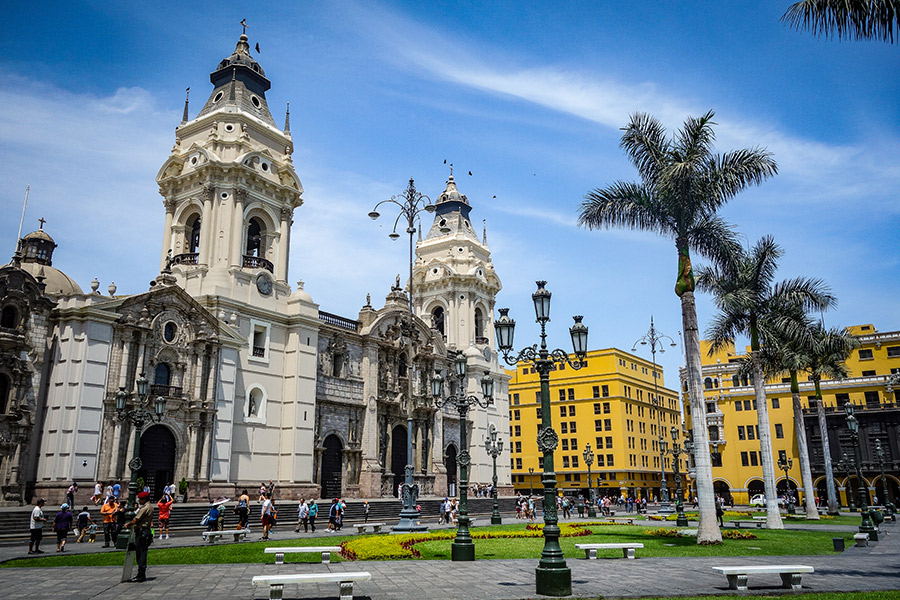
(230, 187)
(456, 287)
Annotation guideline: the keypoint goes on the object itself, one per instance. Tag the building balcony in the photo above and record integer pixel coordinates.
(189, 258)
(167, 391)
(258, 262)
(259, 352)
(338, 321)
(867, 407)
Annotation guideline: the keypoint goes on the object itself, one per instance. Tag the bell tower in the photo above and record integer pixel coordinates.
(230, 188)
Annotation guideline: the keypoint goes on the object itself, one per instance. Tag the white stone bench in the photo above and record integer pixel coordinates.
(213, 536)
(276, 583)
(861, 539)
(590, 550)
(376, 527)
(325, 551)
(790, 574)
(760, 523)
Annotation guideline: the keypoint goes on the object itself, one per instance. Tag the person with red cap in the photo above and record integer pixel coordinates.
(143, 535)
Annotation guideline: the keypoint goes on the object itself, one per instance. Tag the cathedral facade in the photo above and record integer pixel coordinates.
(259, 383)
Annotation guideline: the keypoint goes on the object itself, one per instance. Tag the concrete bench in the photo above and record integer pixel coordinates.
(213, 536)
(376, 527)
(325, 551)
(790, 574)
(276, 583)
(861, 539)
(590, 550)
(739, 522)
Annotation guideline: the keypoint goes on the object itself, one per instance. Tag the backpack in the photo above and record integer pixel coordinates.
(242, 503)
(205, 520)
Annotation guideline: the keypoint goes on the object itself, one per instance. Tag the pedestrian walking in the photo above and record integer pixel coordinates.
(365, 511)
(143, 535)
(108, 512)
(82, 524)
(70, 493)
(243, 510)
(268, 516)
(62, 523)
(212, 522)
(116, 490)
(36, 528)
(98, 493)
(164, 506)
(302, 517)
(313, 513)
(720, 511)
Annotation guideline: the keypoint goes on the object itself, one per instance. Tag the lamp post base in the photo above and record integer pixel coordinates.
(681, 521)
(665, 507)
(409, 523)
(462, 551)
(553, 582)
(496, 520)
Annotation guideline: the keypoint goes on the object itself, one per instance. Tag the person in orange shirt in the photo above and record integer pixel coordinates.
(108, 511)
(165, 507)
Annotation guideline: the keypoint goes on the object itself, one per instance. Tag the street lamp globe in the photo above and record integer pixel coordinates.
(159, 406)
(460, 364)
(121, 398)
(505, 327)
(437, 385)
(142, 385)
(579, 333)
(487, 385)
(541, 299)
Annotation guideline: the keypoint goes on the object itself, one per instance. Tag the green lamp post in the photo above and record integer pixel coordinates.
(845, 466)
(889, 508)
(853, 425)
(494, 447)
(462, 548)
(676, 451)
(589, 460)
(552, 576)
(785, 464)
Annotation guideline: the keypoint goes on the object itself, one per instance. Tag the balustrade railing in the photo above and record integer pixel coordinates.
(258, 262)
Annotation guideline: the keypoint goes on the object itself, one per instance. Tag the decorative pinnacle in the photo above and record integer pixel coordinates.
(184, 117)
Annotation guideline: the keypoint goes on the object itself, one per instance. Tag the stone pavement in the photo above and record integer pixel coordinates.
(856, 569)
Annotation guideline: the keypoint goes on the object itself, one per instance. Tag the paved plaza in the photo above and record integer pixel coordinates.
(855, 569)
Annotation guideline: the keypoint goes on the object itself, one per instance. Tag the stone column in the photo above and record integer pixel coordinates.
(192, 451)
(206, 436)
(112, 471)
(126, 357)
(237, 228)
(281, 265)
(167, 231)
(207, 227)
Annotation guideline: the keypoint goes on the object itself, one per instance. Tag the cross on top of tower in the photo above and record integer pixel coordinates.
(42, 221)
(244, 25)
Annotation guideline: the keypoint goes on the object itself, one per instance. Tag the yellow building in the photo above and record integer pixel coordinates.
(609, 404)
(731, 420)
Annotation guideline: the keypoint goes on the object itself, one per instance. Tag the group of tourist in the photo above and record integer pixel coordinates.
(525, 507)
(307, 512)
(484, 490)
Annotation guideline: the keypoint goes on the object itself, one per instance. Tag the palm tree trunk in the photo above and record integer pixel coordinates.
(834, 507)
(708, 530)
(773, 515)
(809, 493)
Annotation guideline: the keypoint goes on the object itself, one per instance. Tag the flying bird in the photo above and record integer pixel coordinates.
(470, 173)
(445, 161)
(257, 47)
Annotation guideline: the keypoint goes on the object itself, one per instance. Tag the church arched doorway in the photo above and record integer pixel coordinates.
(157, 459)
(331, 467)
(450, 464)
(722, 489)
(398, 456)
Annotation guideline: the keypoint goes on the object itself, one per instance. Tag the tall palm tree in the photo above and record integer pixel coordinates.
(850, 19)
(824, 357)
(750, 303)
(683, 184)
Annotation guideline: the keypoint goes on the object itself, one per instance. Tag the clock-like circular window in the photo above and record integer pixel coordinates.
(229, 128)
(255, 101)
(218, 96)
(170, 330)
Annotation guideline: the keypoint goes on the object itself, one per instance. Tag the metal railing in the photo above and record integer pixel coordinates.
(168, 391)
(338, 321)
(189, 258)
(258, 262)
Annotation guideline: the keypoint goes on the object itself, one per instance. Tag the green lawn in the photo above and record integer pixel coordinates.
(768, 542)
(886, 595)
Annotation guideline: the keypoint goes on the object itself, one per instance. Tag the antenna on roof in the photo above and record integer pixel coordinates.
(22, 219)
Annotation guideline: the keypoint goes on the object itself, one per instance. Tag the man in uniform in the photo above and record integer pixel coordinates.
(143, 537)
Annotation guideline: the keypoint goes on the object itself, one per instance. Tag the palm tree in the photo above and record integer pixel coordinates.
(750, 303)
(824, 357)
(683, 184)
(850, 19)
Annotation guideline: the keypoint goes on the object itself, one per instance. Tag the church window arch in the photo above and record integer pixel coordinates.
(437, 317)
(255, 245)
(255, 408)
(9, 317)
(193, 241)
(479, 324)
(162, 375)
(708, 383)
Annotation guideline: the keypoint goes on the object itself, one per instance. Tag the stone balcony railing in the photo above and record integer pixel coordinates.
(258, 262)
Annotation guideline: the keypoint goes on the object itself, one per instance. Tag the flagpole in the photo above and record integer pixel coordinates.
(22, 219)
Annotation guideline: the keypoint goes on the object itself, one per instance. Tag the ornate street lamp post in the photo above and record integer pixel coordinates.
(589, 460)
(853, 425)
(552, 576)
(462, 547)
(494, 447)
(138, 416)
(654, 337)
(785, 464)
(676, 452)
(531, 481)
(845, 466)
(411, 203)
(889, 508)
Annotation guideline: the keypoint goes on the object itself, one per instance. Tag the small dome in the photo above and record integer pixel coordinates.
(56, 282)
(301, 294)
(40, 234)
(451, 194)
(241, 57)
(473, 352)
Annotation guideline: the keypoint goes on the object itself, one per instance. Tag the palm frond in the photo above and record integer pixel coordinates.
(727, 174)
(644, 142)
(811, 294)
(626, 205)
(712, 237)
(693, 142)
(846, 19)
(762, 262)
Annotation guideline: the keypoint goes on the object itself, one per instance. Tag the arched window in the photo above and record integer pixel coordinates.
(9, 317)
(707, 383)
(162, 374)
(255, 232)
(744, 380)
(254, 402)
(194, 241)
(437, 317)
(479, 324)
(5, 389)
(713, 433)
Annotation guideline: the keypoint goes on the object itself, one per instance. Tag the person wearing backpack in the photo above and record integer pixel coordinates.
(212, 523)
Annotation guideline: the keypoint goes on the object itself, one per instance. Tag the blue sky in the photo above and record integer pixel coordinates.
(529, 96)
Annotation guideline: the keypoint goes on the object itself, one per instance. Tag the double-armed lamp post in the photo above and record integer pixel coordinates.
(845, 465)
(553, 577)
(677, 450)
(462, 548)
(139, 415)
(589, 460)
(853, 425)
(889, 508)
(785, 464)
(411, 204)
(494, 446)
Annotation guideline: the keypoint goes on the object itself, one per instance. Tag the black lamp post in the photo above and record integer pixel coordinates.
(676, 452)
(462, 548)
(654, 337)
(853, 425)
(138, 416)
(785, 464)
(845, 465)
(589, 460)
(889, 508)
(494, 447)
(531, 481)
(411, 203)
(552, 576)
